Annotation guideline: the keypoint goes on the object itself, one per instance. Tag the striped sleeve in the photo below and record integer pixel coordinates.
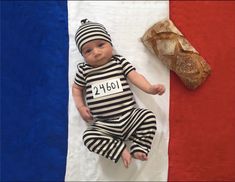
(80, 78)
(126, 65)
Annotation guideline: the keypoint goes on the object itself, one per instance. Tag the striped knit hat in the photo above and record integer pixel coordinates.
(89, 31)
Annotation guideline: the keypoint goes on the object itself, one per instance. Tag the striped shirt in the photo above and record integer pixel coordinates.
(108, 93)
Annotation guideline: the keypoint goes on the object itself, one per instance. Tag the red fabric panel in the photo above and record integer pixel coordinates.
(202, 122)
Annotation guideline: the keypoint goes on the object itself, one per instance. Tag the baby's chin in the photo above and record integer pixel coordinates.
(100, 63)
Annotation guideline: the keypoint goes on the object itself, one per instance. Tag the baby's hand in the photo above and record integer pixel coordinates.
(157, 89)
(85, 113)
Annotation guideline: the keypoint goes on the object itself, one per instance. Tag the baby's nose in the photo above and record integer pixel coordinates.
(96, 51)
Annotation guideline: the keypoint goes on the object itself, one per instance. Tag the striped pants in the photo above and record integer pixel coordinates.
(107, 138)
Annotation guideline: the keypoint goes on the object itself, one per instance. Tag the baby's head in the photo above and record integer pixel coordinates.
(94, 43)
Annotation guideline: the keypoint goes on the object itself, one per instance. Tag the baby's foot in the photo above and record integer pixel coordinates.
(140, 156)
(126, 157)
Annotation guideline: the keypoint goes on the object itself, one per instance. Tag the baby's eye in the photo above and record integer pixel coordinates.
(101, 44)
(87, 51)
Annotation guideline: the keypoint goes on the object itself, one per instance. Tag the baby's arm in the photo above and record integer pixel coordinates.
(142, 83)
(80, 104)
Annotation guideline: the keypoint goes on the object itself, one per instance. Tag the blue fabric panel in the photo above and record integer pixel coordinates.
(34, 90)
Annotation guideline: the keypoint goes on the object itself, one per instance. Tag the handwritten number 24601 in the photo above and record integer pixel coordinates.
(107, 87)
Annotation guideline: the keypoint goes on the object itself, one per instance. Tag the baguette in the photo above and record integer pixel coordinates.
(165, 41)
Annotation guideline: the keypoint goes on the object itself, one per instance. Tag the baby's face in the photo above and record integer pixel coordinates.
(97, 52)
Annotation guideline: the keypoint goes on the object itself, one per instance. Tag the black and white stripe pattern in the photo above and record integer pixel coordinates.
(115, 115)
(107, 138)
(89, 31)
(113, 105)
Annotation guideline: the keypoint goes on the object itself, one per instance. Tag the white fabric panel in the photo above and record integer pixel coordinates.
(126, 22)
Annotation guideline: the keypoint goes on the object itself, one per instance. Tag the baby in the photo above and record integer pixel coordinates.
(109, 101)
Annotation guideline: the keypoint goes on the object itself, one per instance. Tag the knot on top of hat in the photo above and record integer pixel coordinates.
(84, 21)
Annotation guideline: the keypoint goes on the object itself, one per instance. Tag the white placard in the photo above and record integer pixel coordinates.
(106, 87)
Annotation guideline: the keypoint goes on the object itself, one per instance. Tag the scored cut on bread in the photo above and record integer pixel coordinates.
(165, 41)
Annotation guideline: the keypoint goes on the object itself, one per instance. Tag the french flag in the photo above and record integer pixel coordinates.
(41, 130)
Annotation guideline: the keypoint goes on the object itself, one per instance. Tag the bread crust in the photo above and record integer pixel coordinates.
(165, 41)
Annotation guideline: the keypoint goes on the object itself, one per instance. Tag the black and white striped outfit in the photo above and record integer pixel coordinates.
(116, 117)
